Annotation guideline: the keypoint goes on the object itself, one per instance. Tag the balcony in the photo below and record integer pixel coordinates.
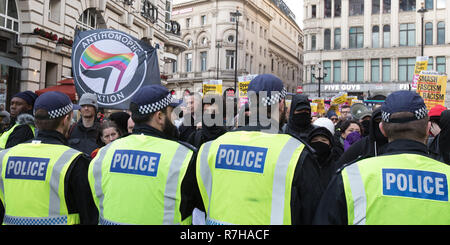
(174, 44)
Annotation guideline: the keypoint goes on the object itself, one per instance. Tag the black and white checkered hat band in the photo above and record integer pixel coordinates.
(156, 106)
(60, 111)
(274, 98)
(418, 114)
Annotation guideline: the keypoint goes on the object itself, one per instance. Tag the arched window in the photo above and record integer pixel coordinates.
(230, 38)
(375, 37)
(204, 41)
(189, 43)
(429, 33)
(90, 19)
(386, 36)
(9, 18)
(327, 39)
(441, 32)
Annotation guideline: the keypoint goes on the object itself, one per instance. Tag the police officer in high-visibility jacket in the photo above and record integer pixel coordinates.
(256, 175)
(147, 177)
(402, 186)
(43, 181)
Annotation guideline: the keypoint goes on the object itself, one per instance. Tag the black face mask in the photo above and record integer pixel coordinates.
(170, 129)
(366, 126)
(323, 150)
(302, 120)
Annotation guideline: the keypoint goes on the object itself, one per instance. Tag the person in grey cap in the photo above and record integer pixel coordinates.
(401, 186)
(151, 176)
(83, 135)
(255, 175)
(45, 181)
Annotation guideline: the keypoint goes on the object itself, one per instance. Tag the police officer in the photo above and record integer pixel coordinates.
(255, 175)
(43, 181)
(402, 186)
(146, 177)
(22, 126)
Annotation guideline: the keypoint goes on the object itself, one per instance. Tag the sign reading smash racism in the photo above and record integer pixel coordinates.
(432, 86)
(113, 65)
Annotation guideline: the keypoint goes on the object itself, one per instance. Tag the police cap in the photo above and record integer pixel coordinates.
(152, 98)
(270, 84)
(55, 103)
(403, 101)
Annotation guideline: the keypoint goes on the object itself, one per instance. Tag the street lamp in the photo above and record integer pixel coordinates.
(218, 46)
(236, 18)
(318, 74)
(422, 11)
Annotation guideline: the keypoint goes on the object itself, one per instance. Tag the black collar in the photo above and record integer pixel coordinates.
(406, 146)
(51, 137)
(150, 131)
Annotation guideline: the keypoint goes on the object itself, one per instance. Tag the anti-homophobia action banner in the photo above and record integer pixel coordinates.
(113, 65)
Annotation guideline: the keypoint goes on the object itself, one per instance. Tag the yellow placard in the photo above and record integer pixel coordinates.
(432, 86)
(212, 87)
(421, 65)
(243, 87)
(340, 98)
(320, 105)
(313, 108)
(350, 100)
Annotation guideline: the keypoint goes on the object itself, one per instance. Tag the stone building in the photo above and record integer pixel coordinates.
(369, 47)
(269, 41)
(36, 36)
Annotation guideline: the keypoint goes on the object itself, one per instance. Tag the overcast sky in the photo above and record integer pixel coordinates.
(296, 7)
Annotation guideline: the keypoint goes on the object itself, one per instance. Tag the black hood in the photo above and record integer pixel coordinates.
(444, 135)
(376, 114)
(324, 132)
(298, 99)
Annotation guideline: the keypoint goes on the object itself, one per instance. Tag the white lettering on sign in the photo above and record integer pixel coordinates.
(342, 87)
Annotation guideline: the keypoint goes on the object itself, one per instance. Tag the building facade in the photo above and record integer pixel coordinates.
(269, 41)
(369, 47)
(36, 36)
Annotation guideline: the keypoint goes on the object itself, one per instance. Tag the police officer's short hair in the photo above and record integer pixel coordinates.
(43, 122)
(414, 130)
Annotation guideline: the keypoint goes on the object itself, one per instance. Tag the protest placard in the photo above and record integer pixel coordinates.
(432, 86)
(421, 65)
(212, 87)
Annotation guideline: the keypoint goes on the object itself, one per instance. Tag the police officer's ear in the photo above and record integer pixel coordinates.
(380, 125)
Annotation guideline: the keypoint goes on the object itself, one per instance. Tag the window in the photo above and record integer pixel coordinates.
(203, 56)
(375, 70)
(440, 4)
(337, 8)
(337, 71)
(386, 6)
(356, 7)
(174, 66)
(188, 59)
(386, 70)
(188, 22)
(230, 60)
(251, 64)
(430, 64)
(337, 38)
(88, 20)
(203, 20)
(189, 43)
(406, 69)
(440, 64)
(407, 34)
(54, 10)
(327, 9)
(441, 32)
(230, 39)
(313, 42)
(313, 11)
(375, 37)
(375, 6)
(9, 18)
(327, 67)
(355, 70)
(327, 39)
(429, 4)
(386, 36)
(429, 33)
(232, 18)
(356, 39)
(407, 5)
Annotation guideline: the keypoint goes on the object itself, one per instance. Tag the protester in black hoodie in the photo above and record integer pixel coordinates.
(327, 153)
(299, 123)
(369, 146)
(440, 147)
(209, 130)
